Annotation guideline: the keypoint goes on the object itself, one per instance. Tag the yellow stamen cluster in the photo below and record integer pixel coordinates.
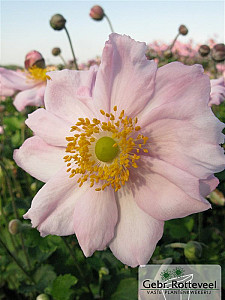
(81, 158)
(38, 74)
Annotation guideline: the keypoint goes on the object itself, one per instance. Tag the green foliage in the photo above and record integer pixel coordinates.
(61, 287)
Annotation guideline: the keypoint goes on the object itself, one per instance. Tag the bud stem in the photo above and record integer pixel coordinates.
(64, 62)
(171, 46)
(16, 261)
(109, 22)
(71, 46)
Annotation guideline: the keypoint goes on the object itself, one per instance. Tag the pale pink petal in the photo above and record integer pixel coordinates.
(52, 129)
(165, 192)
(31, 97)
(14, 81)
(52, 208)
(187, 137)
(125, 77)
(64, 90)
(39, 159)
(136, 233)
(95, 217)
(217, 94)
(178, 83)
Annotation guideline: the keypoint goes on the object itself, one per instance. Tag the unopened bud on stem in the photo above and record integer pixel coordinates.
(56, 51)
(183, 30)
(34, 58)
(218, 53)
(57, 22)
(97, 13)
(204, 50)
(42, 297)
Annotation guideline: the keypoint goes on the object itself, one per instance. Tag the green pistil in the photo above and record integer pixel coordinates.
(106, 149)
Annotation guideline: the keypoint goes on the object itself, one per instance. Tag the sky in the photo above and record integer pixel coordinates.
(25, 25)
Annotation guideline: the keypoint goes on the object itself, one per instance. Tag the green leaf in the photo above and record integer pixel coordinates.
(127, 289)
(44, 277)
(61, 287)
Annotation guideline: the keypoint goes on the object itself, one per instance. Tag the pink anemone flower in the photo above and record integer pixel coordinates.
(217, 95)
(121, 149)
(29, 85)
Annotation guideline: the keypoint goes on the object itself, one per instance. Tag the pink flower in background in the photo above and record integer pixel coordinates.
(121, 149)
(217, 95)
(30, 83)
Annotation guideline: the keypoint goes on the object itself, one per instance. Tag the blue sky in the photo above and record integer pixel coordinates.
(25, 25)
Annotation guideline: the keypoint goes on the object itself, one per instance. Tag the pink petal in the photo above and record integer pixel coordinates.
(136, 233)
(39, 159)
(176, 82)
(31, 97)
(63, 92)
(125, 77)
(52, 208)
(52, 129)
(95, 217)
(14, 81)
(187, 136)
(217, 94)
(166, 192)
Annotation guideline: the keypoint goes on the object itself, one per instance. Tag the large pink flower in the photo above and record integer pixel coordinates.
(112, 178)
(30, 85)
(217, 95)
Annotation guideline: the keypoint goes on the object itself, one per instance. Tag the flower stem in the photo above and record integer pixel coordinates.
(76, 264)
(171, 46)
(16, 261)
(71, 46)
(109, 22)
(63, 60)
(15, 212)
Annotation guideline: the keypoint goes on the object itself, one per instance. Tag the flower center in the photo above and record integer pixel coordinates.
(39, 74)
(103, 153)
(106, 149)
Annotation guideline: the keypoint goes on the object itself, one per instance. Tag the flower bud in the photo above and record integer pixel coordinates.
(168, 54)
(193, 250)
(42, 297)
(183, 30)
(204, 50)
(104, 271)
(34, 58)
(57, 22)
(97, 13)
(216, 197)
(218, 52)
(15, 226)
(56, 51)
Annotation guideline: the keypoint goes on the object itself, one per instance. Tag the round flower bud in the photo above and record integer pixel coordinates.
(97, 13)
(217, 197)
(204, 50)
(168, 54)
(42, 297)
(104, 271)
(56, 51)
(218, 52)
(183, 30)
(34, 58)
(15, 226)
(193, 250)
(57, 22)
